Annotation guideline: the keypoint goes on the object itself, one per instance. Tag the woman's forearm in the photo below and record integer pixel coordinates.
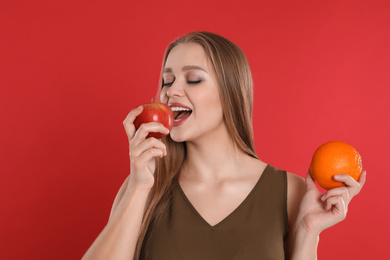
(119, 238)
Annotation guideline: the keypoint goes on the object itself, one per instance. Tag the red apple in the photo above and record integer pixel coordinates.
(155, 112)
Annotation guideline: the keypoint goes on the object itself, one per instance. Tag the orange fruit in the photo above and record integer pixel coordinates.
(333, 158)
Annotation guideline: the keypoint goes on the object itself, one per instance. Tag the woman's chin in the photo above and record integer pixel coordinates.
(177, 136)
(177, 139)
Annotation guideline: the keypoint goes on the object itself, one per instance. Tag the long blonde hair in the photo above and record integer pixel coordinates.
(236, 92)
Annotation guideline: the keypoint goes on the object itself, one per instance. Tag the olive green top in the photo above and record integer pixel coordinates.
(256, 229)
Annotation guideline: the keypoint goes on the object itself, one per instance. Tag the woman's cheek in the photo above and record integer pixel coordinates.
(163, 96)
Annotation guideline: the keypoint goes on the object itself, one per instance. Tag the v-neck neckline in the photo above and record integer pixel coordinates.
(227, 217)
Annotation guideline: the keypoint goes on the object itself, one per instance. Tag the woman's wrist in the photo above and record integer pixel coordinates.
(305, 244)
(135, 187)
(134, 196)
(139, 192)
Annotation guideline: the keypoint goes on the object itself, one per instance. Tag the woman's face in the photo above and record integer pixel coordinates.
(190, 88)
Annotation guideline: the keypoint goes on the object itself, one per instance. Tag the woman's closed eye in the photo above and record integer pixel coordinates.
(191, 82)
(167, 84)
(194, 81)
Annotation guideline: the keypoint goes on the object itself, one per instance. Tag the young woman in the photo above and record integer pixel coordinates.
(202, 192)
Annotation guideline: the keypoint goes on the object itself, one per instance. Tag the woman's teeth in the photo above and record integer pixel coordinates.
(180, 113)
(174, 109)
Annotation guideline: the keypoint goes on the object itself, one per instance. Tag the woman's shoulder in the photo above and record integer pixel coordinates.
(296, 188)
(295, 181)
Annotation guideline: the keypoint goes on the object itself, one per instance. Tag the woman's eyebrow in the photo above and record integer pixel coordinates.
(185, 68)
(193, 67)
(167, 70)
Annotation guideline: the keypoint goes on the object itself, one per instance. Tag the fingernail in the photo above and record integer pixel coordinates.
(166, 130)
(336, 177)
(323, 197)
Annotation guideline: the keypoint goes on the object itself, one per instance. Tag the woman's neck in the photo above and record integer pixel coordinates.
(213, 160)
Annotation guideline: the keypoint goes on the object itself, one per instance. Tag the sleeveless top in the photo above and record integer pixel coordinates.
(256, 229)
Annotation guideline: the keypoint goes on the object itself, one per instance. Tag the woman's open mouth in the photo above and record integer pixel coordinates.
(180, 114)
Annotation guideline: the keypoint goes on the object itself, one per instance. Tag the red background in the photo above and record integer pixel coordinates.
(70, 71)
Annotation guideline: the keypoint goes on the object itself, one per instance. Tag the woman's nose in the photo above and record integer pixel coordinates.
(175, 90)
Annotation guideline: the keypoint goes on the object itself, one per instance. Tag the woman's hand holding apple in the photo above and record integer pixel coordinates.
(143, 149)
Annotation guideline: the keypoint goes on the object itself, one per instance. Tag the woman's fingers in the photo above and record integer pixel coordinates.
(346, 179)
(362, 178)
(337, 206)
(147, 128)
(128, 123)
(141, 161)
(150, 143)
(310, 183)
(342, 192)
(143, 150)
(137, 136)
(353, 186)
